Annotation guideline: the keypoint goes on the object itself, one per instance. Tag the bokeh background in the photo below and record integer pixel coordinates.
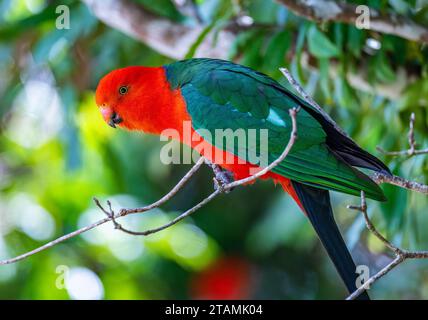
(56, 154)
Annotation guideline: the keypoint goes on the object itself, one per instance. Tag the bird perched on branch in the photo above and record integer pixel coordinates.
(215, 94)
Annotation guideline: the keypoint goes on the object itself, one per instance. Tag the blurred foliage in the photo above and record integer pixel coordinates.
(56, 154)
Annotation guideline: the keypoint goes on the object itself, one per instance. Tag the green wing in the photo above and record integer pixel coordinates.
(224, 95)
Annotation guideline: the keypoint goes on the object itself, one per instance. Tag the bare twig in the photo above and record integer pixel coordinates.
(293, 136)
(366, 285)
(163, 35)
(378, 177)
(63, 238)
(169, 195)
(412, 151)
(187, 213)
(222, 187)
(221, 177)
(309, 99)
(400, 254)
(111, 216)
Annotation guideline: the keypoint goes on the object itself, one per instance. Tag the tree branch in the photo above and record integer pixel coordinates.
(378, 177)
(412, 151)
(111, 216)
(340, 11)
(401, 255)
(220, 187)
(167, 37)
(123, 212)
(310, 100)
(174, 40)
(221, 177)
(225, 185)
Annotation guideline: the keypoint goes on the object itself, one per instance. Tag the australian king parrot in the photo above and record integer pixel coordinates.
(213, 94)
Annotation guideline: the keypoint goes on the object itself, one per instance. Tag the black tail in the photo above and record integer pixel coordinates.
(318, 208)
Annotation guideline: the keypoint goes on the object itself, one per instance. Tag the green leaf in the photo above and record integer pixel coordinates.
(325, 78)
(394, 209)
(339, 34)
(276, 50)
(163, 8)
(301, 37)
(263, 11)
(12, 30)
(252, 55)
(355, 41)
(383, 69)
(320, 45)
(199, 40)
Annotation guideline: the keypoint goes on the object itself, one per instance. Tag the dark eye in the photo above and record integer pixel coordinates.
(123, 90)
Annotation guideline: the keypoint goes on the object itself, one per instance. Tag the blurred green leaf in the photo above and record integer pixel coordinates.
(276, 50)
(394, 210)
(163, 8)
(320, 45)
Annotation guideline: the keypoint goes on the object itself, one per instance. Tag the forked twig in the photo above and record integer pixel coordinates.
(63, 238)
(111, 216)
(400, 254)
(412, 151)
(222, 186)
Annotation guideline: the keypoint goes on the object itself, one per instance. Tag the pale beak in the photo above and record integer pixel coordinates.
(111, 117)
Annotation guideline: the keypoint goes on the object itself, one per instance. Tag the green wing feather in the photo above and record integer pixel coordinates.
(224, 95)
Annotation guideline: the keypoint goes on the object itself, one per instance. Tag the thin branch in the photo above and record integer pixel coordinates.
(309, 99)
(165, 36)
(54, 242)
(111, 216)
(187, 213)
(363, 208)
(169, 195)
(341, 11)
(412, 151)
(293, 136)
(366, 285)
(222, 187)
(380, 178)
(63, 238)
(377, 177)
(401, 255)
(221, 177)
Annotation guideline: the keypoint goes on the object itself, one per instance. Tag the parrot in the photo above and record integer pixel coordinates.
(213, 94)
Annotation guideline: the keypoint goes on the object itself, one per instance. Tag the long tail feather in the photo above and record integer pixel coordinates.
(316, 203)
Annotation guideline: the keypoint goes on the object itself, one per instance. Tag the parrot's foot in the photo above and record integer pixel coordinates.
(221, 177)
(110, 212)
